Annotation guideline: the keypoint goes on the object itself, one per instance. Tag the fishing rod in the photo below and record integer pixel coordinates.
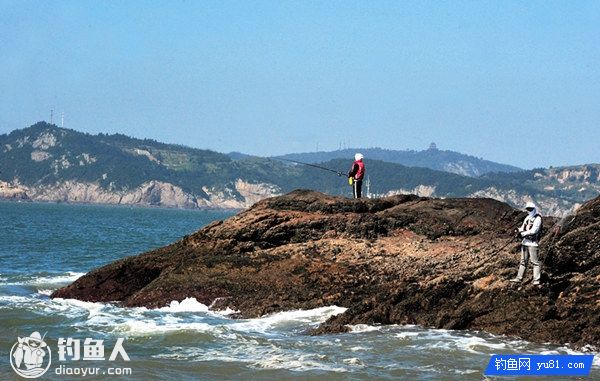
(497, 251)
(311, 165)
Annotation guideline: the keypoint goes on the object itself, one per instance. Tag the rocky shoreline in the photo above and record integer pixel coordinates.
(12, 192)
(441, 263)
(150, 194)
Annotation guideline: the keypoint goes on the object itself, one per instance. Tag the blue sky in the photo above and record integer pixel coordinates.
(514, 82)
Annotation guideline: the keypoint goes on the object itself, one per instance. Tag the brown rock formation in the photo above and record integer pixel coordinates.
(402, 259)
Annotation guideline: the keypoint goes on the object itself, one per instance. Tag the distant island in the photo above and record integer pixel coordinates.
(52, 164)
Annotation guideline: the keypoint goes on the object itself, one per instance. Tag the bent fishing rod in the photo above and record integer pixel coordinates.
(310, 165)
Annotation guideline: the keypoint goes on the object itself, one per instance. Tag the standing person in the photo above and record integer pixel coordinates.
(531, 231)
(357, 174)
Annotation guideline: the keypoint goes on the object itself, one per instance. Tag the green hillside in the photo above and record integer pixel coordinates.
(44, 155)
(119, 162)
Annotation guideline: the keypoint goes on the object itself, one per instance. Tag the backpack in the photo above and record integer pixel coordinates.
(540, 233)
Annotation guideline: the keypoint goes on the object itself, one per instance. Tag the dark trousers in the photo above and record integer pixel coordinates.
(357, 188)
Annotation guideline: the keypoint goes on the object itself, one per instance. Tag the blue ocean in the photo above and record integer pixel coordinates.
(46, 246)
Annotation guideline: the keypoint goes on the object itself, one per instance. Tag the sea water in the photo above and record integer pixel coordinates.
(46, 246)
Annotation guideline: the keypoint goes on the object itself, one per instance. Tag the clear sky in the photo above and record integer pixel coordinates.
(514, 82)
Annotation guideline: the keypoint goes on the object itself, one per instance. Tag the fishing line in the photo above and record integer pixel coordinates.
(310, 165)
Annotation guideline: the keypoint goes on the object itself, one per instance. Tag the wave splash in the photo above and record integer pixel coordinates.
(191, 331)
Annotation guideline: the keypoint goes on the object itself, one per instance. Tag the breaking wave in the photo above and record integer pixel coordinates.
(191, 331)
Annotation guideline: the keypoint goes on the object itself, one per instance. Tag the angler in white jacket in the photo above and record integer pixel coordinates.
(531, 231)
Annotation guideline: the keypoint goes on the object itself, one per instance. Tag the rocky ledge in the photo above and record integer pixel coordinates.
(442, 263)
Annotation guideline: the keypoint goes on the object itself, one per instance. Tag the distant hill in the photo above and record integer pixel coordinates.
(390, 178)
(62, 164)
(238, 155)
(47, 163)
(573, 183)
(433, 158)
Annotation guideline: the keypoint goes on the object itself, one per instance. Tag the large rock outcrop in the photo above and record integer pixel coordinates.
(403, 259)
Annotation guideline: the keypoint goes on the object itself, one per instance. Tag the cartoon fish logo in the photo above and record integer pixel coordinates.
(28, 355)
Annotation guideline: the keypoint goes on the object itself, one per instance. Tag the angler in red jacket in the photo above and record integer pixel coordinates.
(357, 174)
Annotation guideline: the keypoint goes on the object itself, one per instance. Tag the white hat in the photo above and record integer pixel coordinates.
(35, 339)
(358, 156)
(530, 205)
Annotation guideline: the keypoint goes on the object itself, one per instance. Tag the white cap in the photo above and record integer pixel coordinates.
(35, 338)
(530, 205)
(358, 156)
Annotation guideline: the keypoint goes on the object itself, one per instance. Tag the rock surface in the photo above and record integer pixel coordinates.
(440, 263)
(12, 192)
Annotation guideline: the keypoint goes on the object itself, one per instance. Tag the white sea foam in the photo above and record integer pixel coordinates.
(14, 299)
(78, 306)
(172, 320)
(145, 327)
(43, 279)
(474, 344)
(226, 312)
(277, 320)
(466, 371)
(186, 305)
(295, 363)
(193, 305)
(407, 334)
(458, 340)
(134, 321)
(189, 315)
(360, 328)
(255, 355)
(34, 303)
(355, 361)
